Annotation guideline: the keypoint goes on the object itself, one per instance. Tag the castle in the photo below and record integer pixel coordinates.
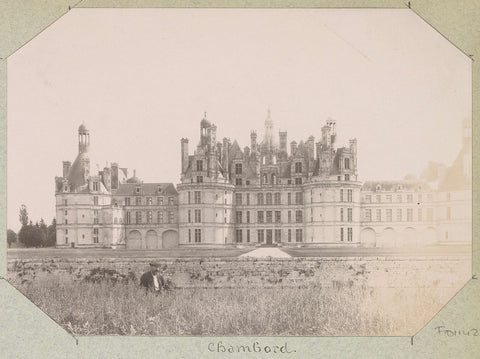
(263, 194)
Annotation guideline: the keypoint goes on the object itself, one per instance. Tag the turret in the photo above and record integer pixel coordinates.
(114, 176)
(293, 147)
(107, 178)
(184, 154)
(83, 139)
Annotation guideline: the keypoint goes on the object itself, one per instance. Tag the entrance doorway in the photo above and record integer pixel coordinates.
(269, 236)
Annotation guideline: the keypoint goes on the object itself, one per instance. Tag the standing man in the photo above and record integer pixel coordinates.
(151, 280)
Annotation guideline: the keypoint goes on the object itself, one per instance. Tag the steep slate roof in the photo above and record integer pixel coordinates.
(148, 189)
(455, 177)
(392, 185)
(76, 174)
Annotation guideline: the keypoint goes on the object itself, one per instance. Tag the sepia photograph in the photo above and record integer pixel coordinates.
(239, 172)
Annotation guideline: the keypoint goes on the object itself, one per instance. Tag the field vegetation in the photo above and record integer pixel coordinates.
(106, 308)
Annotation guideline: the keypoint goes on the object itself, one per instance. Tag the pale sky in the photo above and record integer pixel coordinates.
(141, 80)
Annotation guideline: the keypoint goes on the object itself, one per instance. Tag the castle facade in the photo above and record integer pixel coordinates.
(269, 193)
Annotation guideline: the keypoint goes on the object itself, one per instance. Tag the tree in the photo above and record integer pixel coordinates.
(23, 216)
(52, 234)
(43, 232)
(11, 237)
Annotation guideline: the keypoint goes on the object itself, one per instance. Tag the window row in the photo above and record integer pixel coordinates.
(387, 215)
(139, 201)
(268, 235)
(399, 198)
(148, 217)
(267, 198)
(346, 234)
(195, 235)
(349, 214)
(268, 216)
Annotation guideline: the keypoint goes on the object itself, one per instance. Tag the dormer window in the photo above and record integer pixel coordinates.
(399, 187)
(199, 165)
(378, 187)
(137, 190)
(159, 189)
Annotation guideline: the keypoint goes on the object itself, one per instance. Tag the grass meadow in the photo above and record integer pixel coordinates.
(105, 308)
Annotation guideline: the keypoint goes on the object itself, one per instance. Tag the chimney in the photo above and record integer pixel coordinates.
(293, 148)
(283, 140)
(66, 168)
(225, 155)
(184, 153)
(253, 141)
(114, 176)
(311, 146)
(107, 178)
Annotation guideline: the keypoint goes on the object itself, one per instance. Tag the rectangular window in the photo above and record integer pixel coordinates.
(399, 215)
(65, 202)
(95, 235)
(389, 215)
(449, 213)
(341, 215)
(199, 165)
(238, 181)
(189, 198)
(128, 218)
(347, 163)
(238, 198)
(149, 201)
(368, 215)
(420, 215)
(197, 197)
(378, 215)
(278, 235)
(95, 200)
(260, 217)
(269, 198)
(170, 201)
(199, 179)
(289, 236)
(347, 177)
(138, 201)
(95, 216)
(171, 217)
(149, 217)
(399, 198)
(349, 234)
(298, 198)
(160, 217)
(378, 198)
(269, 217)
(248, 199)
(368, 198)
(409, 197)
(341, 195)
(298, 180)
(160, 200)
(127, 201)
(260, 235)
(350, 214)
(278, 216)
(248, 216)
(238, 168)
(298, 167)
(66, 213)
(342, 234)
(277, 198)
(429, 214)
(389, 198)
(198, 216)
(189, 236)
(350, 195)
(239, 216)
(409, 214)
(299, 216)
(66, 232)
(239, 235)
(260, 198)
(299, 235)
(289, 216)
(138, 217)
(248, 236)
(198, 235)
(289, 198)
(189, 213)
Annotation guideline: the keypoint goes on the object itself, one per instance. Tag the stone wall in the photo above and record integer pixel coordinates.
(399, 272)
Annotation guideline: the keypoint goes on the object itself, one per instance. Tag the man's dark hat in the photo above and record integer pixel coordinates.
(156, 265)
